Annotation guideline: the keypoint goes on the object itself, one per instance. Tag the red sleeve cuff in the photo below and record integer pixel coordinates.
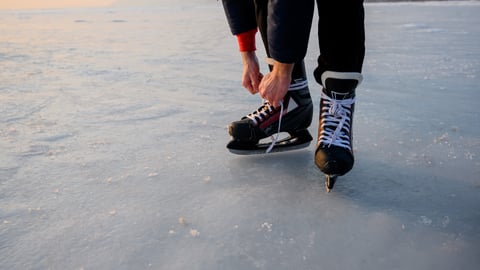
(246, 41)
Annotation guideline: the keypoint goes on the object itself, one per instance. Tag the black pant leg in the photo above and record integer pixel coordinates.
(341, 35)
(261, 7)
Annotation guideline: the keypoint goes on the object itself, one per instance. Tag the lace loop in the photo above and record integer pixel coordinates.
(275, 138)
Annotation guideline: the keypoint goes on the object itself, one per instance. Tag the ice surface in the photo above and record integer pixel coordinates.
(113, 134)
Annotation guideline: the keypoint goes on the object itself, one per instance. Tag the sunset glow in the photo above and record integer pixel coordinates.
(34, 4)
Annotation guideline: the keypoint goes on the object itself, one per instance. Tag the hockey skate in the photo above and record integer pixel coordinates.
(293, 117)
(334, 151)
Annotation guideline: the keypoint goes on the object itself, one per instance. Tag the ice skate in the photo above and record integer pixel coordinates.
(334, 151)
(293, 117)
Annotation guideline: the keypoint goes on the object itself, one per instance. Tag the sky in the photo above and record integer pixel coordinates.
(28, 4)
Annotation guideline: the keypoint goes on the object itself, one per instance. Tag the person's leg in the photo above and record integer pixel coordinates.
(299, 84)
(342, 50)
(297, 107)
(341, 35)
(262, 13)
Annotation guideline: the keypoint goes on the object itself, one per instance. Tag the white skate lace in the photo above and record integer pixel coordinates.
(275, 138)
(263, 113)
(336, 113)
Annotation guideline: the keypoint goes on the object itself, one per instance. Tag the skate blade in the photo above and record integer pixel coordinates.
(296, 141)
(330, 182)
(261, 149)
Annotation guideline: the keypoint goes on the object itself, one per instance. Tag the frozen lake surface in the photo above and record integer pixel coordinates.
(113, 130)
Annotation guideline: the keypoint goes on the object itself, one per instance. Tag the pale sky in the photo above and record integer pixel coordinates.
(21, 4)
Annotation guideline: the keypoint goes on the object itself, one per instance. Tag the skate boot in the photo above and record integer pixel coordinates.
(334, 151)
(293, 117)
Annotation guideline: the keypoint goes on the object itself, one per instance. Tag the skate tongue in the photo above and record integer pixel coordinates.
(339, 95)
(340, 89)
(340, 85)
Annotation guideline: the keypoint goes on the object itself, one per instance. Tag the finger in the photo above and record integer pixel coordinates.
(261, 90)
(275, 104)
(262, 94)
(257, 82)
(249, 88)
(253, 89)
(247, 85)
(255, 85)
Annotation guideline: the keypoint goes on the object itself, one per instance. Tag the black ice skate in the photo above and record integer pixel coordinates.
(294, 117)
(334, 152)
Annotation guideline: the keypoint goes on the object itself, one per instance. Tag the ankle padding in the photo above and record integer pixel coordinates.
(341, 81)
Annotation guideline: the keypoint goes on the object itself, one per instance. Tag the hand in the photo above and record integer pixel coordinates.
(274, 85)
(251, 76)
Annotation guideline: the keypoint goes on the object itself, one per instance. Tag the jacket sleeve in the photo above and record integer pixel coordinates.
(240, 15)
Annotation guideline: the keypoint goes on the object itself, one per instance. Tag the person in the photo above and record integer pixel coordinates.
(285, 29)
